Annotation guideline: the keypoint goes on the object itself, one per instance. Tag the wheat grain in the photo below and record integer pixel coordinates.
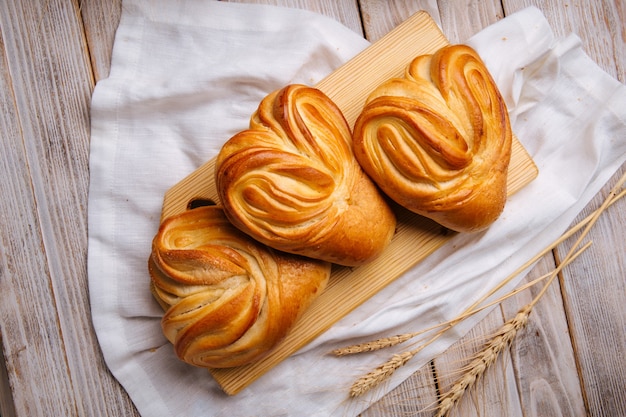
(481, 362)
(383, 372)
(507, 333)
(374, 344)
(386, 370)
(401, 338)
(502, 339)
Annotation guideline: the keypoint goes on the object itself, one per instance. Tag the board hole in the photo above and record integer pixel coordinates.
(199, 202)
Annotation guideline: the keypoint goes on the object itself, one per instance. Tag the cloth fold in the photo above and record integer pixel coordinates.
(187, 75)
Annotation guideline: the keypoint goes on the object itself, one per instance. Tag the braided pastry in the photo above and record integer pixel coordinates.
(228, 299)
(291, 181)
(438, 141)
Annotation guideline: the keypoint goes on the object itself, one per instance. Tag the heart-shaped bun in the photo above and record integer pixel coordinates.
(228, 299)
(438, 141)
(291, 181)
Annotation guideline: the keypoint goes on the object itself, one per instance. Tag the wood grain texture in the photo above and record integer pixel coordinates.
(416, 397)
(100, 20)
(344, 11)
(599, 24)
(381, 16)
(21, 257)
(462, 19)
(545, 387)
(495, 393)
(49, 61)
(593, 294)
(33, 341)
(54, 364)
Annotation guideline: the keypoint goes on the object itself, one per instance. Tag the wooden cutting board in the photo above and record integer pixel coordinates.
(415, 237)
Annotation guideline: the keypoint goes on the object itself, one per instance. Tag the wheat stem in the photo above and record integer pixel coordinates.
(481, 362)
(474, 308)
(386, 370)
(503, 338)
(401, 338)
(507, 333)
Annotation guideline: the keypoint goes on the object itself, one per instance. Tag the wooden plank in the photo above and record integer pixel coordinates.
(348, 87)
(23, 274)
(33, 343)
(382, 16)
(7, 406)
(462, 19)
(415, 397)
(542, 353)
(495, 392)
(593, 289)
(100, 20)
(599, 24)
(54, 364)
(593, 294)
(344, 11)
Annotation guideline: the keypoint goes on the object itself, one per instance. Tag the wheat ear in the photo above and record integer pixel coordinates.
(381, 373)
(384, 371)
(478, 306)
(505, 336)
(481, 362)
(385, 342)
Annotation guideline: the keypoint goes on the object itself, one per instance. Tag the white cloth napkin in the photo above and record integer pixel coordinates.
(187, 75)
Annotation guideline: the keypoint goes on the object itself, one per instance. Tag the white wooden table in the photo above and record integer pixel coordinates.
(570, 361)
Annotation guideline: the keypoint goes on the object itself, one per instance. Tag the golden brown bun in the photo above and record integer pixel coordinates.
(438, 141)
(228, 299)
(291, 181)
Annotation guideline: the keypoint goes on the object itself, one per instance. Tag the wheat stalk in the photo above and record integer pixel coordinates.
(478, 306)
(506, 334)
(502, 338)
(446, 325)
(385, 370)
(481, 362)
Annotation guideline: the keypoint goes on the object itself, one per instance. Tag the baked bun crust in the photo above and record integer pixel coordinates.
(291, 181)
(438, 141)
(228, 299)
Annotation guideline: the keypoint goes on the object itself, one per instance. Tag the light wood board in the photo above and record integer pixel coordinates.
(415, 237)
